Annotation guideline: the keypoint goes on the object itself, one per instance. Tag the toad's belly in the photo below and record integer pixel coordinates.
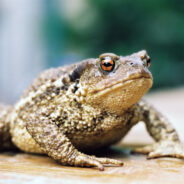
(93, 142)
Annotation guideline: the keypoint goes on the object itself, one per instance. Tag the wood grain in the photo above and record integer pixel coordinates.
(24, 168)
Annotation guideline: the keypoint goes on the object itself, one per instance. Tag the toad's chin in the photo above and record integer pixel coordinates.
(121, 96)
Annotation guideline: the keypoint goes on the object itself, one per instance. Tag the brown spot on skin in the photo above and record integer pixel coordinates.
(76, 86)
(77, 72)
(65, 88)
(57, 91)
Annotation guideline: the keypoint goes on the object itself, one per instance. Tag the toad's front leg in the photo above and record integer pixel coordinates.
(167, 141)
(54, 143)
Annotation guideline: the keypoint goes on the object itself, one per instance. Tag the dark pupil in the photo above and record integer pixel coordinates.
(107, 64)
(148, 60)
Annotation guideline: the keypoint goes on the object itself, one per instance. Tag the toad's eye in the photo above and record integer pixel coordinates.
(107, 64)
(147, 61)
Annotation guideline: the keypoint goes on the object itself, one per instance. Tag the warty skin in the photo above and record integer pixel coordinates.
(86, 106)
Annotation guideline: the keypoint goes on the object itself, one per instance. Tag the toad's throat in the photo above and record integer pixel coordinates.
(123, 83)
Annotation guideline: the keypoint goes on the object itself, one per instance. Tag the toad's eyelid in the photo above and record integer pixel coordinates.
(117, 64)
(145, 60)
(108, 58)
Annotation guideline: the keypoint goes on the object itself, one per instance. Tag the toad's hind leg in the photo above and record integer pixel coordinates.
(57, 145)
(5, 137)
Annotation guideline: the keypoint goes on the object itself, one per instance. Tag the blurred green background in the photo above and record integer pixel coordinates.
(122, 27)
(38, 34)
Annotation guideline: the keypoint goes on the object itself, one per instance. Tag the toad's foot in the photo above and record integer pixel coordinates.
(92, 161)
(162, 149)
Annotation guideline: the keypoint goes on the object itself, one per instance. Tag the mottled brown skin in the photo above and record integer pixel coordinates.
(84, 107)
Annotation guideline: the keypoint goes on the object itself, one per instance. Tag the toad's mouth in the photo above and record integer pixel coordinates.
(123, 83)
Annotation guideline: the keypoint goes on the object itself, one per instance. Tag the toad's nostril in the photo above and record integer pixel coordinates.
(133, 64)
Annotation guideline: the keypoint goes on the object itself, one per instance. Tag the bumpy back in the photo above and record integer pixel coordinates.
(44, 77)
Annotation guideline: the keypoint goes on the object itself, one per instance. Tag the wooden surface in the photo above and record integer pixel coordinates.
(26, 168)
